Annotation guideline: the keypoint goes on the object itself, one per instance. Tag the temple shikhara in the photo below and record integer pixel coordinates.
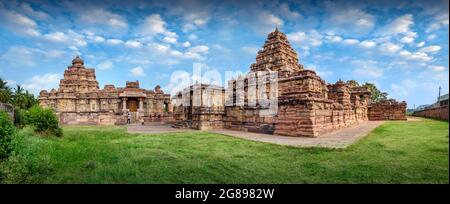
(277, 96)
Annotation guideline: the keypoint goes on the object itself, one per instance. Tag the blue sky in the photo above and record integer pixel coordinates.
(401, 46)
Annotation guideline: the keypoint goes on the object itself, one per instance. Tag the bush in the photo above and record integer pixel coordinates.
(19, 120)
(44, 121)
(7, 133)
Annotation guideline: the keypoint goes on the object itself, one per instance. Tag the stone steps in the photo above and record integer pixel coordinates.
(182, 124)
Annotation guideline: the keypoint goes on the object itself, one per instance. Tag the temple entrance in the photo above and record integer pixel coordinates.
(132, 104)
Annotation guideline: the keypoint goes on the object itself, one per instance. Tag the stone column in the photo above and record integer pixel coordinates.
(141, 104)
(124, 104)
(141, 113)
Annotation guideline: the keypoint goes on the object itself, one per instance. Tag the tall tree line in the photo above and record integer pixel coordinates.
(18, 96)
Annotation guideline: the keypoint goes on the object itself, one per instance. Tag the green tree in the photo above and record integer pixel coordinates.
(377, 95)
(353, 83)
(31, 100)
(5, 92)
(20, 100)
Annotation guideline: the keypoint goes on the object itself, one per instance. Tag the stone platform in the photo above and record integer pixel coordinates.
(338, 139)
(341, 138)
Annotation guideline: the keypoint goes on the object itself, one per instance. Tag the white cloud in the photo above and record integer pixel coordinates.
(390, 48)
(11, 83)
(310, 39)
(99, 16)
(133, 44)
(192, 36)
(56, 37)
(432, 37)
(42, 82)
(18, 23)
(137, 71)
(350, 41)
(53, 53)
(114, 41)
(95, 38)
(252, 50)
(107, 64)
(194, 20)
(409, 37)
(334, 38)
(401, 24)
(347, 19)
(421, 44)
(264, 22)
(420, 56)
(368, 44)
(438, 22)
(186, 44)
(431, 48)
(168, 39)
(20, 56)
(199, 49)
(286, 12)
(437, 68)
(152, 25)
(365, 69)
(26, 8)
(69, 38)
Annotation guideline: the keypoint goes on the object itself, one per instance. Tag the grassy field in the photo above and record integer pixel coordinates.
(396, 152)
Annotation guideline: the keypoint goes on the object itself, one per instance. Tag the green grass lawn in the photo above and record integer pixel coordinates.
(396, 152)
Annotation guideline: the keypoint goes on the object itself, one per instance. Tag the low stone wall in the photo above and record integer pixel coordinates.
(440, 112)
(91, 118)
(387, 110)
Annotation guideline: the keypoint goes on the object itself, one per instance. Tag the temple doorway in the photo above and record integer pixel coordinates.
(132, 104)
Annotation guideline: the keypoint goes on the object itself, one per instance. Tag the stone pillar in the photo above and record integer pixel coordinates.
(141, 113)
(141, 105)
(124, 104)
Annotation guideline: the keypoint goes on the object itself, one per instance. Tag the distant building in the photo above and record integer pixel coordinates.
(438, 110)
(443, 100)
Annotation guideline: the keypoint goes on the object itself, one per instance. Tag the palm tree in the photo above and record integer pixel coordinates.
(20, 99)
(31, 100)
(5, 92)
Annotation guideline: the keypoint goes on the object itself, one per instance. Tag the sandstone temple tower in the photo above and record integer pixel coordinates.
(276, 55)
(80, 101)
(305, 104)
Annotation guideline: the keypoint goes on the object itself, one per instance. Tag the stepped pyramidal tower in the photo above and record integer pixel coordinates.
(277, 55)
(78, 78)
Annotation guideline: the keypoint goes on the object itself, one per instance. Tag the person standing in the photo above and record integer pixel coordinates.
(129, 117)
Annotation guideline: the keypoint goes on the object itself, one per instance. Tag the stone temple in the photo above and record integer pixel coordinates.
(306, 104)
(79, 100)
(276, 96)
